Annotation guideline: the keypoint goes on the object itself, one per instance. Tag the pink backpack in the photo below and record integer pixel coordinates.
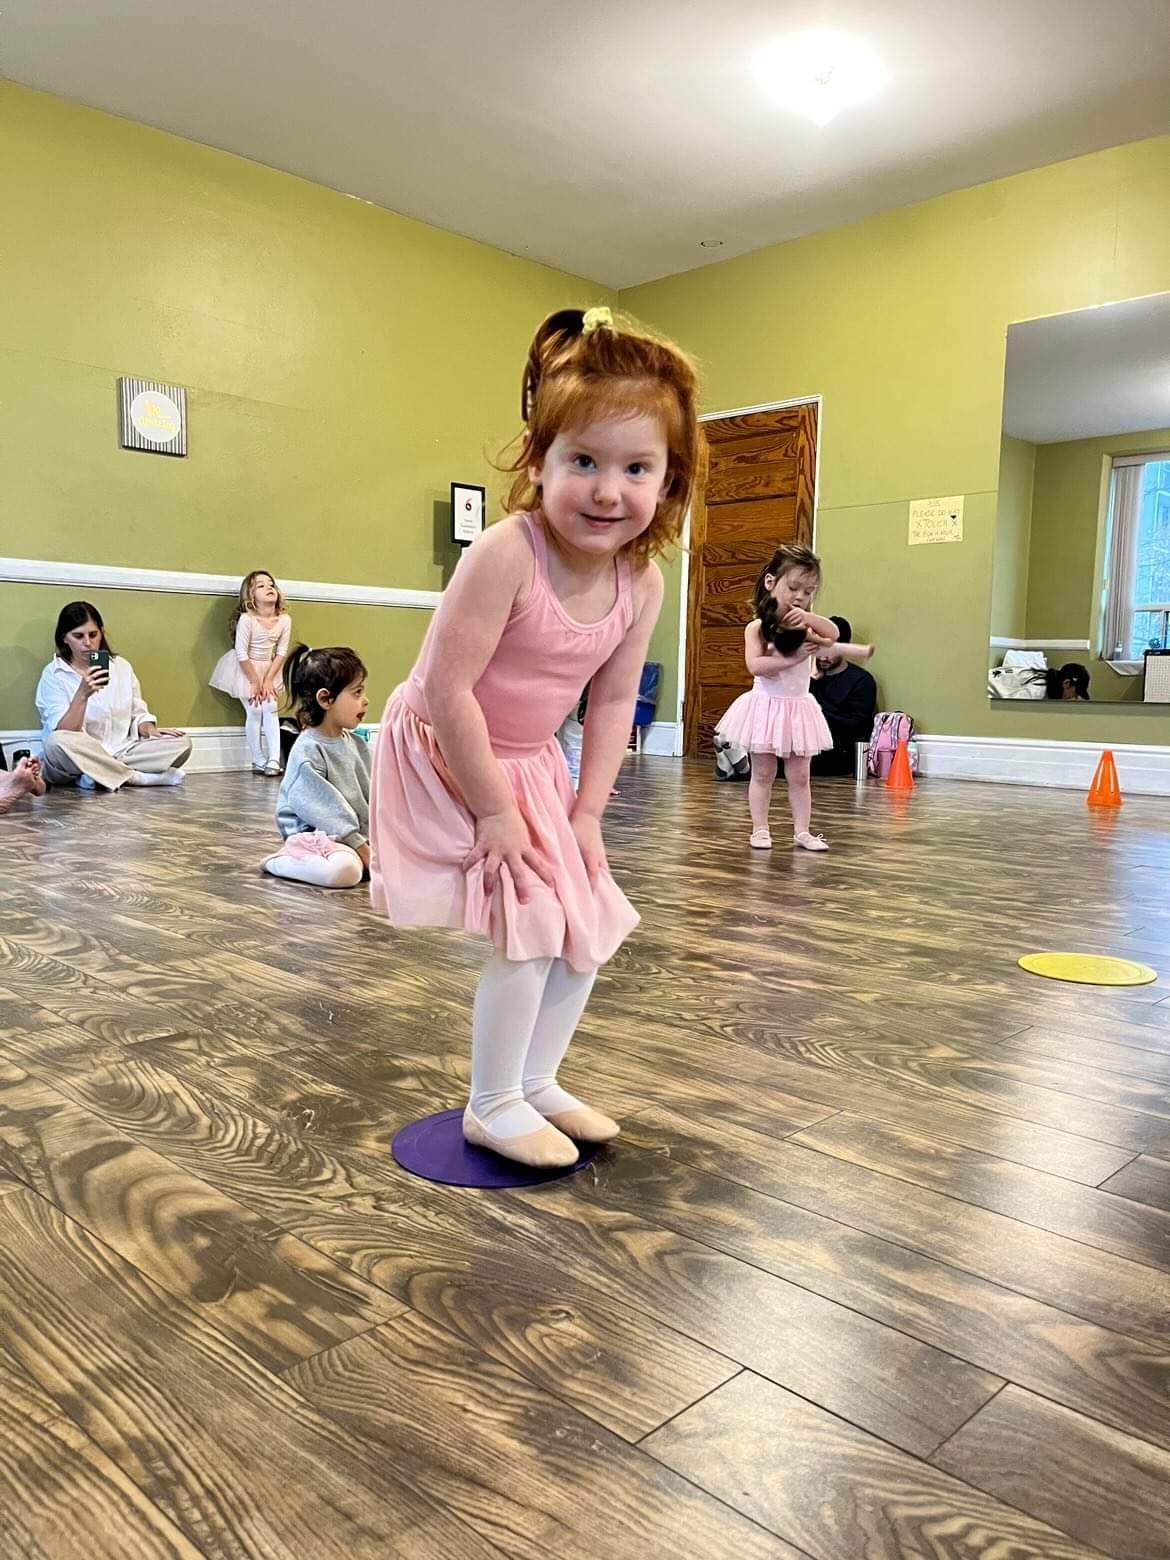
(889, 728)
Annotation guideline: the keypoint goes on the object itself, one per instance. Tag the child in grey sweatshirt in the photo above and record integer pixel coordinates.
(323, 809)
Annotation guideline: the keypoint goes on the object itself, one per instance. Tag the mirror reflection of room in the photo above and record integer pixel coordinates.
(1081, 583)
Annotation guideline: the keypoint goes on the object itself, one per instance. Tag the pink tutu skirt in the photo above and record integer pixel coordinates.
(421, 832)
(228, 677)
(783, 726)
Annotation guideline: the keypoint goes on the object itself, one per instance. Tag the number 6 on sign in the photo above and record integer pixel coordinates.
(467, 507)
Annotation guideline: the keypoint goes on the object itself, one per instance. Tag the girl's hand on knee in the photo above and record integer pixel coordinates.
(502, 842)
(587, 832)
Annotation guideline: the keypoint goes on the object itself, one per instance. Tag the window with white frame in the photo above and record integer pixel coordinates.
(1136, 614)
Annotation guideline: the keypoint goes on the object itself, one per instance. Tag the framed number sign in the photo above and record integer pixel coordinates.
(467, 512)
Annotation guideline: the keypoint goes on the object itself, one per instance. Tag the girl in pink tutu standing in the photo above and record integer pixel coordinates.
(778, 717)
(474, 823)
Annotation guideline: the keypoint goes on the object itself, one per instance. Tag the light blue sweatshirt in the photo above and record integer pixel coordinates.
(326, 786)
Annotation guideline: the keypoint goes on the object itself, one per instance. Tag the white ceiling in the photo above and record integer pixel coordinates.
(609, 139)
(1090, 374)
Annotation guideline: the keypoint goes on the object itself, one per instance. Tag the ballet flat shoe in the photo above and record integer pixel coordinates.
(585, 1125)
(546, 1149)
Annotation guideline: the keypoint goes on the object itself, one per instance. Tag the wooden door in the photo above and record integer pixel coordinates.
(759, 494)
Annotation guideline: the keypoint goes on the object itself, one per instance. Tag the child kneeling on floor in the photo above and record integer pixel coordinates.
(323, 809)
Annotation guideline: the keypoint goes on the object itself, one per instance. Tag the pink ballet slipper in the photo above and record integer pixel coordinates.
(808, 841)
(312, 842)
(585, 1125)
(760, 839)
(544, 1149)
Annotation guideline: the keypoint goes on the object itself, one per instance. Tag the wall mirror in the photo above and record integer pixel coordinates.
(1081, 576)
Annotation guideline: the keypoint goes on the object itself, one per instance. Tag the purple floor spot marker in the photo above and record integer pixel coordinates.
(435, 1149)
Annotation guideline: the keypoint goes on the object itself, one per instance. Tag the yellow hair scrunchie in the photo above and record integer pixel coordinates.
(595, 318)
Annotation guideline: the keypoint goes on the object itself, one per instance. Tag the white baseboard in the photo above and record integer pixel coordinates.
(214, 749)
(217, 749)
(1141, 770)
(659, 739)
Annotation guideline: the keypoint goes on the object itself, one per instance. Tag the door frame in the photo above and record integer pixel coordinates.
(685, 581)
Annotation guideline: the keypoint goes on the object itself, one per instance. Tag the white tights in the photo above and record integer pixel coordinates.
(262, 729)
(796, 775)
(524, 1017)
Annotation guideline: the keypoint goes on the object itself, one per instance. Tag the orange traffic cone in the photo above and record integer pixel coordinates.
(1105, 791)
(900, 777)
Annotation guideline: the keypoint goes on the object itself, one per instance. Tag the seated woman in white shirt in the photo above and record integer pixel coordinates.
(96, 728)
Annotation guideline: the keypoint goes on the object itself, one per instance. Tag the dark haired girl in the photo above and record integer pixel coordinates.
(95, 726)
(323, 810)
(1070, 682)
(779, 718)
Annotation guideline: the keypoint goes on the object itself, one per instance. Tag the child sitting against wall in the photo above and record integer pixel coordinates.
(323, 809)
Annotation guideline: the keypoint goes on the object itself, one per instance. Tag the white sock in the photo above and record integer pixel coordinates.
(168, 777)
(565, 994)
(507, 1001)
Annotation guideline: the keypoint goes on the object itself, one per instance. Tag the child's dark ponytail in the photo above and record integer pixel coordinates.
(310, 672)
(787, 641)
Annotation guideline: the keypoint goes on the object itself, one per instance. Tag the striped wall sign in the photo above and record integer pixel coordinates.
(152, 417)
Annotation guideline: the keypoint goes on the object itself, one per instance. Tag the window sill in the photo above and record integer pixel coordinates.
(1126, 668)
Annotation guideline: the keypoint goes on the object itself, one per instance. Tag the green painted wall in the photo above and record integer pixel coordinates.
(899, 322)
(1068, 526)
(342, 364)
(1067, 529)
(1013, 535)
(1066, 513)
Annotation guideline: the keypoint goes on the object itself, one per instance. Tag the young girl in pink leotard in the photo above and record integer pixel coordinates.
(473, 820)
(779, 718)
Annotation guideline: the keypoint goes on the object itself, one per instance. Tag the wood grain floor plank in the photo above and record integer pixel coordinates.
(61, 1496)
(1143, 1180)
(157, 983)
(267, 1165)
(1111, 1490)
(912, 1394)
(988, 1088)
(1123, 1381)
(577, 1341)
(1119, 1294)
(278, 1298)
(1104, 1054)
(236, 1459)
(1082, 1213)
(1005, 1061)
(518, 1468)
(1028, 1143)
(463, 1271)
(838, 1493)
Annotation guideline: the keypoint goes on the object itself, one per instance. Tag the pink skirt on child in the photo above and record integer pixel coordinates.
(783, 726)
(229, 677)
(421, 832)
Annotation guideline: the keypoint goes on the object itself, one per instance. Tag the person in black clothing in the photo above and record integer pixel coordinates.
(1070, 682)
(847, 695)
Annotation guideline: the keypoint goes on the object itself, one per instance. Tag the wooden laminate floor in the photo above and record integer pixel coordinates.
(880, 1267)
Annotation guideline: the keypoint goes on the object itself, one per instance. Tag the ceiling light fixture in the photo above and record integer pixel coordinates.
(710, 243)
(819, 73)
